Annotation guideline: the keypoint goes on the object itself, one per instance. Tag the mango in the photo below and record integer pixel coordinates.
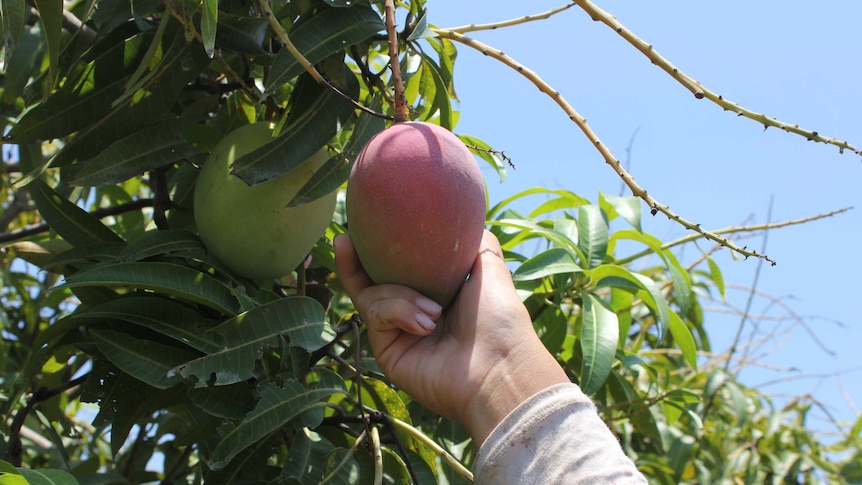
(416, 209)
(247, 227)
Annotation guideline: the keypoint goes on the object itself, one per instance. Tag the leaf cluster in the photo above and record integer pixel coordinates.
(133, 356)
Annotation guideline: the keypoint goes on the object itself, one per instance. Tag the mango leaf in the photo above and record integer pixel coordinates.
(228, 402)
(277, 406)
(86, 255)
(563, 200)
(307, 131)
(328, 32)
(149, 102)
(44, 476)
(87, 93)
(717, 277)
(528, 228)
(679, 275)
(300, 319)
(167, 278)
(160, 144)
(27, 59)
(592, 235)
(12, 15)
(441, 107)
(572, 200)
(154, 243)
(304, 462)
(74, 224)
(336, 170)
(684, 339)
(599, 337)
(629, 208)
(609, 275)
(209, 25)
(551, 262)
(163, 315)
(241, 33)
(51, 16)
(144, 360)
(421, 29)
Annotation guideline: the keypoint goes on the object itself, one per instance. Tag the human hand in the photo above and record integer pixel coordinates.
(475, 361)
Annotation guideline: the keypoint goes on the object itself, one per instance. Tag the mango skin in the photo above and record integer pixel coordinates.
(416, 209)
(247, 227)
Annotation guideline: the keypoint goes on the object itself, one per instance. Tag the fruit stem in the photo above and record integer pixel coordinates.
(400, 101)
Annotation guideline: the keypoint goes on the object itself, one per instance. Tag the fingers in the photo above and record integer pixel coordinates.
(384, 307)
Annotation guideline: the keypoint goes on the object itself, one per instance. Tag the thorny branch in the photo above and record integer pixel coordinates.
(638, 191)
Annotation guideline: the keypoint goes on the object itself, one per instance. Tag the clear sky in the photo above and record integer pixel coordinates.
(788, 59)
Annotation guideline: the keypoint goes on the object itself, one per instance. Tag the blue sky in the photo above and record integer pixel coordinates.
(783, 58)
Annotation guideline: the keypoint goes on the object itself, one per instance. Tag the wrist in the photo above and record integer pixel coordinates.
(524, 371)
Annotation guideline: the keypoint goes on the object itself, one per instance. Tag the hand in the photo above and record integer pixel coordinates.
(476, 361)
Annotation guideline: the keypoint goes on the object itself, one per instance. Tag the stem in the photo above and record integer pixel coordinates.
(697, 89)
(734, 229)
(400, 100)
(508, 23)
(378, 456)
(638, 191)
(443, 454)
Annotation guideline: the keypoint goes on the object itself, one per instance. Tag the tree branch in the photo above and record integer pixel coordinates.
(700, 92)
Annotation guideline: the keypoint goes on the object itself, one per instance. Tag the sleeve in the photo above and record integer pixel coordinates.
(556, 436)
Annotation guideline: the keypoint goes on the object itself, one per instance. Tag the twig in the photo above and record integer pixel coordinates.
(638, 191)
(378, 456)
(443, 454)
(508, 23)
(103, 212)
(751, 294)
(305, 63)
(697, 89)
(735, 229)
(394, 64)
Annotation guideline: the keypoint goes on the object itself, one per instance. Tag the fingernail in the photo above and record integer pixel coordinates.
(429, 306)
(425, 321)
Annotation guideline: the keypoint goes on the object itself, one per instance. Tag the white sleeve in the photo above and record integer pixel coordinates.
(556, 436)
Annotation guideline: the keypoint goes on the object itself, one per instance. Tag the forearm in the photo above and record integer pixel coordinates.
(555, 436)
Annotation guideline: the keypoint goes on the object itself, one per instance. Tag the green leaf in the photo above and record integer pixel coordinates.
(241, 33)
(629, 208)
(547, 263)
(157, 145)
(12, 15)
(592, 235)
(307, 131)
(306, 458)
(300, 319)
(163, 315)
(47, 476)
(599, 338)
(86, 95)
(27, 59)
(717, 277)
(684, 339)
(328, 32)
(336, 170)
(441, 106)
(421, 30)
(609, 275)
(167, 278)
(51, 16)
(277, 406)
(143, 104)
(74, 224)
(144, 360)
(679, 275)
(160, 242)
(575, 200)
(209, 25)
(528, 228)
